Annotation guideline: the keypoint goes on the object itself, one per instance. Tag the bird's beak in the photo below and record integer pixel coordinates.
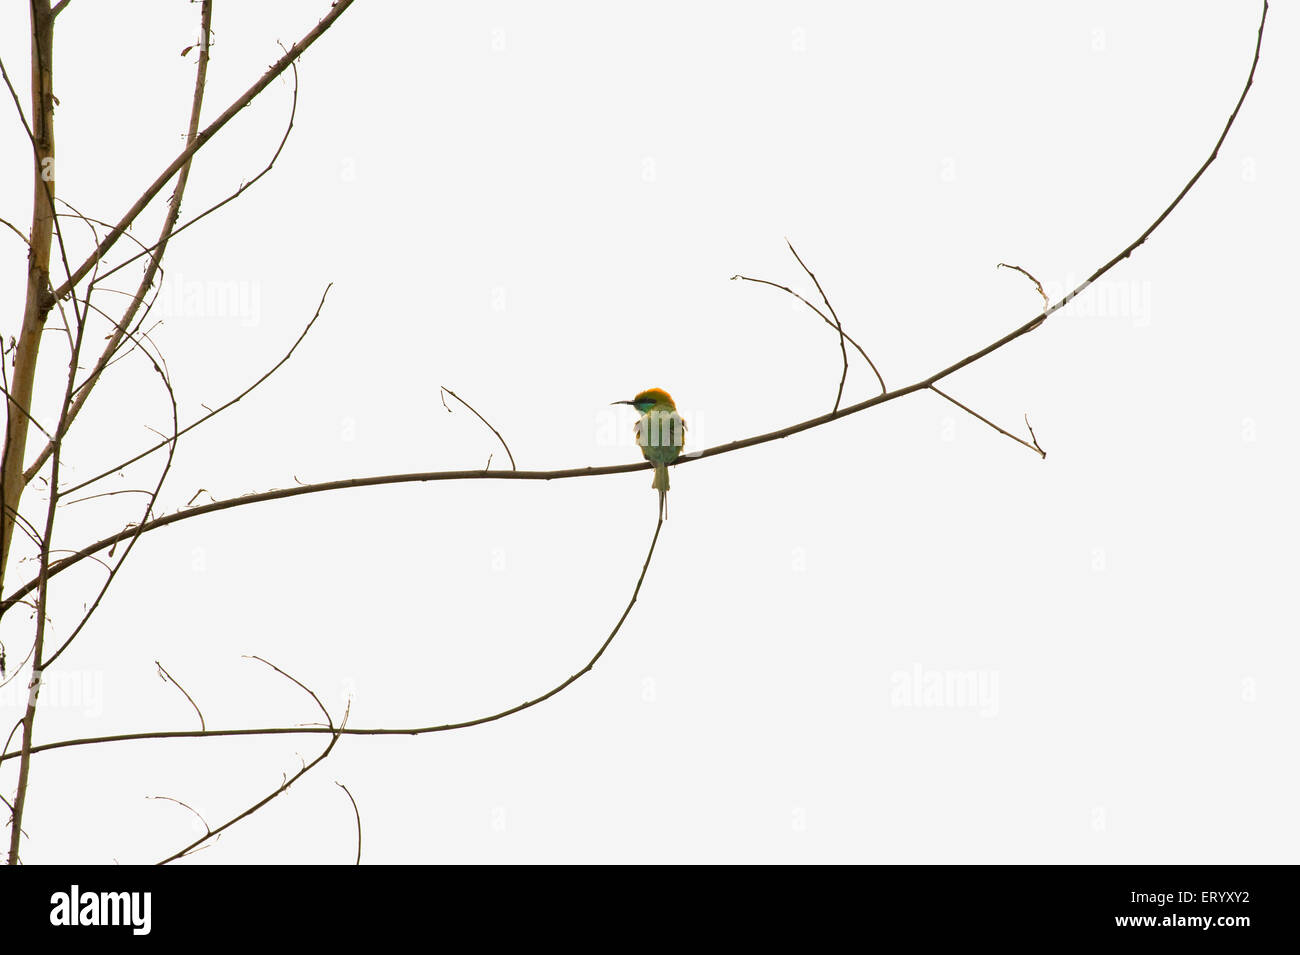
(622, 402)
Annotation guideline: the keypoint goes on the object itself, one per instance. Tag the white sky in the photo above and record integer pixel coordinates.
(898, 638)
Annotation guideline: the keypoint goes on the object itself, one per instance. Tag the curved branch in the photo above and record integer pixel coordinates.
(382, 731)
(844, 352)
(342, 730)
(357, 811)
(1037, 284)
(168, 678)
(847, 337)
(197, 815)
(513, 466)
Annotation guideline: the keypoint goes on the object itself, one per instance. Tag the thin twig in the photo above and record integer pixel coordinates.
(358, 815)
(30, 530)
(1031, 447)
(27, 525)
(329, 721)
(844, 352)
(39, 427)
(484, 420)
(197, 814)
(824, 317)
(1034, 436)
(10, 738)
(90, 222)
(100, 222)
(1037, 284)
(93, 282)
(171, 679)
(64, 550)
(16, 232)
(91, 497)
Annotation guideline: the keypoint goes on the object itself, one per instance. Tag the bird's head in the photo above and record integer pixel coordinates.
(653, 399)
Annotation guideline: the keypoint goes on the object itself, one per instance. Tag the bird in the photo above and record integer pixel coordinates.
(661, 433)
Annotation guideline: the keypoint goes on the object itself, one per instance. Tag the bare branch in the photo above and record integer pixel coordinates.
(1031, 447)
(485, 421)
(91, 497)
(382, 731)
(284, 785)
(1034, 437)
(839, 395)
(28, 528)
(1037, 284)
(64, 550)
(358, 815)
(329, 721)
(167, 677)
(15, 404)
(197, 814)
(835, 324)
(16, 230)
(10, 738)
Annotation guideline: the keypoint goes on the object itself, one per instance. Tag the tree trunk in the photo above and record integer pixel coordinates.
(37, 307)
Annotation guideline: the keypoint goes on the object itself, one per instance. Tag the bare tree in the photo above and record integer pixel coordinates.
(128, 335)
(77, 290)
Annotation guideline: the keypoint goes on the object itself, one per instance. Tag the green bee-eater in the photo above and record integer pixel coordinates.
(661, 433)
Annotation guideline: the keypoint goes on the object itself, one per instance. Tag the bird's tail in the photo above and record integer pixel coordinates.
(661, 485)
